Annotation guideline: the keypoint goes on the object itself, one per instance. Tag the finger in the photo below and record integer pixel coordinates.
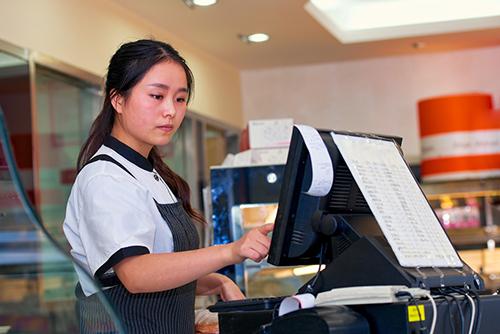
(253, 255)
(264, 241)
(261, 258)
(261, 250)
(232, 294)
(266, 228)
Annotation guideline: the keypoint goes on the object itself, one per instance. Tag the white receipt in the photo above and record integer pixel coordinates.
(322, 169)
(294, 303)
(398, 204)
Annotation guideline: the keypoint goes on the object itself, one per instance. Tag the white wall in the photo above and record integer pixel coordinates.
(376, 95)
(85, 33)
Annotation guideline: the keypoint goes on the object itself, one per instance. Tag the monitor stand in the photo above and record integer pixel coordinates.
(357, 259)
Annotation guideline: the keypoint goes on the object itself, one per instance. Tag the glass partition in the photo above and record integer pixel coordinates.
(15, 100)
(37, 278)
(216, 146)
(65, 109)
(261, 279)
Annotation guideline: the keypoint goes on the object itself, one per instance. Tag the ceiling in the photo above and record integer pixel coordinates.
(296, 38)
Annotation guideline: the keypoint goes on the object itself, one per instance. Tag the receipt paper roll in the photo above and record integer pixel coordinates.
(297, 302)
(322, 168)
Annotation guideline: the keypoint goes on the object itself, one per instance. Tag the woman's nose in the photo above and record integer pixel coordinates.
(168, 108)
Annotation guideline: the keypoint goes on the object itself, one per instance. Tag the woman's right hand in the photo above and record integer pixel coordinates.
(252, 245)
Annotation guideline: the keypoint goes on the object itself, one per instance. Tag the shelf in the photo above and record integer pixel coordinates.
(473, 238)
(460, 189)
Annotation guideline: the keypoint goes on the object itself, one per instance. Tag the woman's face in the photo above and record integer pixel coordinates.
(154, 109)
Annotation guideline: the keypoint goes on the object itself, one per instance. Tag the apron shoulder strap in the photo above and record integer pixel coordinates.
(105, 157)
(106, 280)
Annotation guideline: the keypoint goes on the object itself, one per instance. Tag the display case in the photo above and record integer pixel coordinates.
(244, 198)
(470, 212)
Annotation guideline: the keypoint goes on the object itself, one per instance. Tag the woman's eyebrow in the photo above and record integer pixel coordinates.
(159, 85)
(163, 86)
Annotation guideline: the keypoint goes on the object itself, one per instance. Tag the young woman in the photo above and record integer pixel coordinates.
(129, 220)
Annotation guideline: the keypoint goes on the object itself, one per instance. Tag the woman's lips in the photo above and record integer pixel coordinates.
(166, 128)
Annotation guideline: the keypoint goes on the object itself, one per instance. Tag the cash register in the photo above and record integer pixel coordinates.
(349, 201)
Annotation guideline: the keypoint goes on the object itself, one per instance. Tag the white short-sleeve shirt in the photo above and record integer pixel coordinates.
(112, 215)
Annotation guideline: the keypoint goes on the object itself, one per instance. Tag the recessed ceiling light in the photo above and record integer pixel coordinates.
(254, 38)
(204, 2)
(201, 3)
(258, 38)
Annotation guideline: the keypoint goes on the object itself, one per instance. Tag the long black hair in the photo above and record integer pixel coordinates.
(127, 67)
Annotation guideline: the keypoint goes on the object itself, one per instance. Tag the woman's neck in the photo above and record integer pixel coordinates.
(138, 146)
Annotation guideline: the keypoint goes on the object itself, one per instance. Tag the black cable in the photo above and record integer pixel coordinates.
(315, 278)
(449, 292)
(412, 301)
(450, 314)
(464, 293)
(275, 311)
(451, 317)
(459, 309)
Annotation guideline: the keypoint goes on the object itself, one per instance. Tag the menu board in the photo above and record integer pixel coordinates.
(397, 202)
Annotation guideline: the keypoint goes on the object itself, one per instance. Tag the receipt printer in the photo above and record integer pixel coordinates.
(319, 320)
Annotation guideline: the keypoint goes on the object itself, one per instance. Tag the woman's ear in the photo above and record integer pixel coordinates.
(117, 101)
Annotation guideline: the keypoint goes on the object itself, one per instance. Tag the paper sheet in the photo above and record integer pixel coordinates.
(295, 303)
(400, 208)
(322, 169)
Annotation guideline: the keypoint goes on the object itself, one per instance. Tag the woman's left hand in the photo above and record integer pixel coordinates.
(217, 284)
(230, 291)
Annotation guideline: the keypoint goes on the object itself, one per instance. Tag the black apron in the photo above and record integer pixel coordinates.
(170, 311)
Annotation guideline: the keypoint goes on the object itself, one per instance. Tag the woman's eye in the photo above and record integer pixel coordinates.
(181, 99)
(156, 97)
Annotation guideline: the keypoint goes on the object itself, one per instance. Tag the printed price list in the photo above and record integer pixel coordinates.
(397, 202)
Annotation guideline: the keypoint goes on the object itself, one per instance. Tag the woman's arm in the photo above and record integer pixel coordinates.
(164, 271)
(217, 284)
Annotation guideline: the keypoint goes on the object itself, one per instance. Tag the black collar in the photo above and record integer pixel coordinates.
(128, 153)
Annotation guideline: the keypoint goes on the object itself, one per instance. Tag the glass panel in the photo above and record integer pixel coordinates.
(15, 100)
(241, 198)
(244, 198)
(37, 278)
(66, 108)
(262, 279)
(233, 143)
(217, 143)
(216, 146)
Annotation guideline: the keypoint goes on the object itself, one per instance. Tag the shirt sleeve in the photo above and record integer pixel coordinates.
(114, 221)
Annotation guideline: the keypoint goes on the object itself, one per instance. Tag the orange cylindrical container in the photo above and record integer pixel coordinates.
(460, 137)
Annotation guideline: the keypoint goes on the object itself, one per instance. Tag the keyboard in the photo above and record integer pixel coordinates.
(250, 304)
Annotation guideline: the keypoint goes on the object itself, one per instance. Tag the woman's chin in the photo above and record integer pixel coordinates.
(163, 140)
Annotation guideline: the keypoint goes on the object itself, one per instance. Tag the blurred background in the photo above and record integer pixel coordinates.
(428, 74)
